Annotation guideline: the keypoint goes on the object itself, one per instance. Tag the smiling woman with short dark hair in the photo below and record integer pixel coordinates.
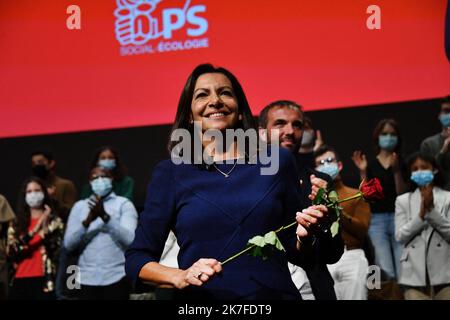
(214, 210)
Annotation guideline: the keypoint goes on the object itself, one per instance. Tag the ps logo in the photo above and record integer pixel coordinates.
(137, 23)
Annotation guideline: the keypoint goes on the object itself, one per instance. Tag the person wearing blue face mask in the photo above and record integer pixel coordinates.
(422, 223)
(437, 146)
(101, 228)
(387, 141)
(389, 169)
(108, 158)
(123, 185)
(350, 272)
(33, 242)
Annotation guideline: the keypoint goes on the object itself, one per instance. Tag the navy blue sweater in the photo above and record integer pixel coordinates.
(214, 217)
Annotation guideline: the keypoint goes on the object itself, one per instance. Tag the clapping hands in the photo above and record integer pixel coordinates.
(360, 160)
(445, 146)
(41, 226)
(96, 210)
(427, 203)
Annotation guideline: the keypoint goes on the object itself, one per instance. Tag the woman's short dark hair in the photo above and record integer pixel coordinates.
(23, 214)
(379, 127)
(119, 172)
(438, 180)
(183, 116)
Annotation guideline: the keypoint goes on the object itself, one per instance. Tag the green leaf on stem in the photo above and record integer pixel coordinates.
(256, 252)
(320, 197)
(272, 239)
(264, 246)
(257, 241)
(333, 196)
(338, 212)
(334, 228)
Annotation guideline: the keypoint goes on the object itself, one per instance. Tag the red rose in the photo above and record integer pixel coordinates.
(371, 190)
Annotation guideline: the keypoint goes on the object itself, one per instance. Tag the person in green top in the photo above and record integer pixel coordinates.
(108, 158)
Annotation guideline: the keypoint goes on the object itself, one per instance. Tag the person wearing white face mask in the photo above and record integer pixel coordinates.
(108, 158)
(60, 190)
(33, 243)
(350, 272)
(388, 167)
(422, 223)
(100, 228)
(438, 145)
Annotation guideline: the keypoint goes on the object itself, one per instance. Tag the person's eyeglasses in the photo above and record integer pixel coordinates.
(326, 160)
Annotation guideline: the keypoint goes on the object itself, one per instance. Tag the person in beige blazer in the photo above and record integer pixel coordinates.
(422, 224)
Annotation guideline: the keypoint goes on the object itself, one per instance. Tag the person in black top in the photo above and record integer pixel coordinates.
(287, 117)
(390, 170)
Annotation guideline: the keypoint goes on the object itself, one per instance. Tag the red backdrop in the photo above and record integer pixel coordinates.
(318, 53)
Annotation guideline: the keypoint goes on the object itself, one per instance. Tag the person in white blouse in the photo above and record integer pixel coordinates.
(422, 223)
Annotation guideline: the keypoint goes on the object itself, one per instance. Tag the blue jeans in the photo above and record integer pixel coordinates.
(387, 249)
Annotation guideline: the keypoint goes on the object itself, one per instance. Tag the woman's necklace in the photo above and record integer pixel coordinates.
(225, 174)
